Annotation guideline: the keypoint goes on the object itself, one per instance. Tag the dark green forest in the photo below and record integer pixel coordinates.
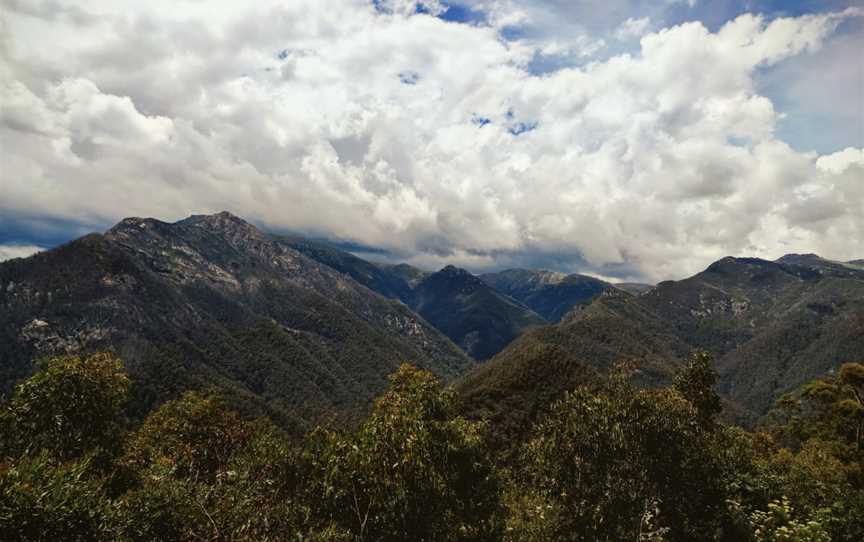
(609, 461)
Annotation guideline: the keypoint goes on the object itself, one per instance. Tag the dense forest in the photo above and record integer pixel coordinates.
(608, 461)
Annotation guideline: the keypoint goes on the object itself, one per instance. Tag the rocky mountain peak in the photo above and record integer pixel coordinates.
(801, 259)
(453, 270)
(135, 223)
(224, 222)
(136, 230)
(736, 265)
(456, 277)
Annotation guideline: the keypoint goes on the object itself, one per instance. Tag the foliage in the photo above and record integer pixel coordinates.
(72, 405)
(609, 461)
(43, 500)
(777, 524)
(413, 471)
(695, 382)
(620, 464)
(822, 465)
(191, 437)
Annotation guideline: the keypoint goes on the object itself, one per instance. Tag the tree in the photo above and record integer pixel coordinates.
(192, 437)
(830, 408)
(778, 524)
(41, 500)
(620, 464)
(822, 470)
(413, 471)
(72, 405)
(696, 381)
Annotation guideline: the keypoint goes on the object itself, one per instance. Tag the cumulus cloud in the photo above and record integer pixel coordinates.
(383, 124)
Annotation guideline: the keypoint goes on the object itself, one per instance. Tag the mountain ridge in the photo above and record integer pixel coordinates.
(212, 300)
(771, 326)
(550, 294)
(474, 315)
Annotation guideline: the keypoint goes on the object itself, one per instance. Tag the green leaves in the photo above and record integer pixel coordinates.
(695, 382)
(614, 464)
(71, 406)
(414, 470)
(778, 524)
(41, 499)
(191, 437)
(608, 462)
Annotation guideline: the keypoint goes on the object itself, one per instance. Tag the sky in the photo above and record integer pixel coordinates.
(632, 140)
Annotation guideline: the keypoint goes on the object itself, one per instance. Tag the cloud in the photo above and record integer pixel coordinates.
(632, 28)
(7, 252)
(298, 116)
(821, 116)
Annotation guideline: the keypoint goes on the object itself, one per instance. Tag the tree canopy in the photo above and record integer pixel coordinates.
(609, 461)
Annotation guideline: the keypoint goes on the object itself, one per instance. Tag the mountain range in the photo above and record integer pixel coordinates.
(299, 329)
(550, 294)
(771, 326)
(213, 301)
(481, 320)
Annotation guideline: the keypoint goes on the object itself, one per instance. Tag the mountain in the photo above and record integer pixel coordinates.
(411, 275)
(465, 308)
(770, 325)
(635, 288)
(384, 280)
(517, 385)
(548, 293)
(817, 263)
(212, 301)
(476, 317)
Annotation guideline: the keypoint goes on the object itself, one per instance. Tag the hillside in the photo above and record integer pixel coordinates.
(771, 326)
(635, 288)
(383, 280)
(475, 316)
(468, 310)
(548, 293)
(519, 384)
(212, 301)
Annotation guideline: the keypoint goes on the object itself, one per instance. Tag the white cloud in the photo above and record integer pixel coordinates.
(7, 252)
(632, 28)
(397, 130)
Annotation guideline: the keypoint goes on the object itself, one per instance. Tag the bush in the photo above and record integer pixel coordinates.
(43, 500)
(71, 406)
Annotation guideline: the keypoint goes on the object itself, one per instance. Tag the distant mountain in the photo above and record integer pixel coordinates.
(635, 288)
(812, 261)
(476, 317)
(213, 301)
(548, 293)
(519, 383)
(411, 275)
(466, 309)
(298, 328)
(386, 281)
(771, 326)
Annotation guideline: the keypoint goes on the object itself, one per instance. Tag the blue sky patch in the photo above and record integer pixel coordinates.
(512, 33)
(480, 121)
(460, 13)
(522, 127)
(409, 78)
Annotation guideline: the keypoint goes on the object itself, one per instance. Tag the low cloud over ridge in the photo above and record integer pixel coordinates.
(428, 138)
